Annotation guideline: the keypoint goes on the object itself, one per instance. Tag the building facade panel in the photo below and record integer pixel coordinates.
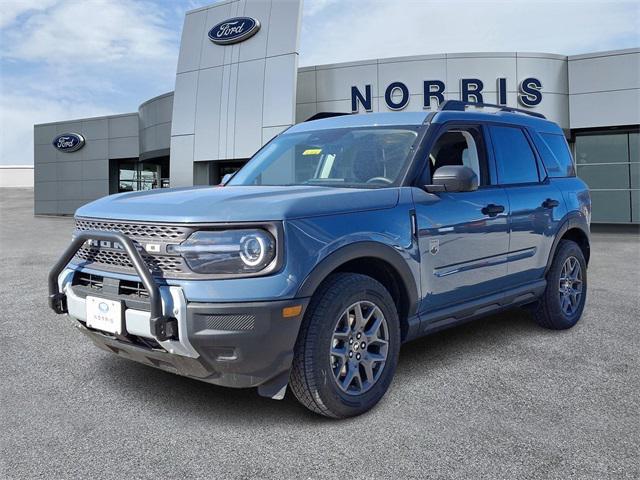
(592, 73)
(123, 126)
(249, 107)
(277, 44)
(257, 47)
(208, 115)
(552, 72)
(605, 109)
(278, 102)
(486, 69)
(154, 123)
(412, 73)
(334, 83)
(183, 120)
(95, 129)
(191, 41)
(306, 86)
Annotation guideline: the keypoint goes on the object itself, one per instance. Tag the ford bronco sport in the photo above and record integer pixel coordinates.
(339, 240)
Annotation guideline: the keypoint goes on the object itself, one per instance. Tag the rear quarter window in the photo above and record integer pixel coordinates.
(555, 154)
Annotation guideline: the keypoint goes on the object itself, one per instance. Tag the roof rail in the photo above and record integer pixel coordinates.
(321, 115)
(460, 106)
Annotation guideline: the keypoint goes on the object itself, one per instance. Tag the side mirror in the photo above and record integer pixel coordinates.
(453, 178)
(226, 178)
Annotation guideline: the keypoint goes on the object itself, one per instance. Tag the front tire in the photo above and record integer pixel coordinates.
(347, 350)
(564, 298)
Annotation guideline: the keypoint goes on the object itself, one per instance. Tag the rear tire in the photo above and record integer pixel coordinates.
(564, 298)
(348, 346)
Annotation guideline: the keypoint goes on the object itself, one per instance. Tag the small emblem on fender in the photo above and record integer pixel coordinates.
(434, 246)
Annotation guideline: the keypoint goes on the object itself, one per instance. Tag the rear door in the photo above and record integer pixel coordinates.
(462, 236)
(535, 204)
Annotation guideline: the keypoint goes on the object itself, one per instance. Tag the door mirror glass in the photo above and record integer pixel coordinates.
(453, 178)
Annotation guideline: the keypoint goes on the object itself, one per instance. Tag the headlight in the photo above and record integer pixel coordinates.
(228, 251)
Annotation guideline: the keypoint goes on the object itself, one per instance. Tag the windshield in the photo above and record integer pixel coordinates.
(344, 157)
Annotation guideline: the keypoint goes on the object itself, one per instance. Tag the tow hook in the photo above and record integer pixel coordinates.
(164, 328)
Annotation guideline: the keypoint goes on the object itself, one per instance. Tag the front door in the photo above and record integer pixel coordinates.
(463, 237)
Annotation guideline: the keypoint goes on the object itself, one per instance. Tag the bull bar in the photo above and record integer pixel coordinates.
(163, 327)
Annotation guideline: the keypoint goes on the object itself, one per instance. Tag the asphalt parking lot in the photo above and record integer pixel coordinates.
(497, 398)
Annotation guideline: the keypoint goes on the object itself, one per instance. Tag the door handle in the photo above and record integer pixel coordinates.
(550, 203)
(492, 210)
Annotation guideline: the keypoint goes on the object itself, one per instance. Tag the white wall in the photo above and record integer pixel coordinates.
(16, 176)
(229, 99)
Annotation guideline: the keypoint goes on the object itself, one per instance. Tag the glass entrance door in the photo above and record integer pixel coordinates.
(135, 176)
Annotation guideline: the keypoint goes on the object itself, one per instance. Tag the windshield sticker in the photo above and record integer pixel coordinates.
(312, 151)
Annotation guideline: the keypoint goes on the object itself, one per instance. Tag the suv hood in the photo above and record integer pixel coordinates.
(237, 204)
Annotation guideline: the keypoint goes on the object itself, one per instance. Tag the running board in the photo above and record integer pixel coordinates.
(448, 317)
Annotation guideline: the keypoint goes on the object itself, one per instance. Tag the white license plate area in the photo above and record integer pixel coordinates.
(103, 314)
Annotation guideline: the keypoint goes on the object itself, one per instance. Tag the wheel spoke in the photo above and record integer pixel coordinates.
(357, 310)
(342, 336)
(372, 331)
(340, 363)
(367, 366)
(563, 303)
(378, 342)
(352, 375)
(340, 352)
(376, 357)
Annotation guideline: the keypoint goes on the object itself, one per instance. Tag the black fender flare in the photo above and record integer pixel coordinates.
(571, 220)
(357, 250)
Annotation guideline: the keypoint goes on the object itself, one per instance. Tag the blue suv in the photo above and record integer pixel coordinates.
(341, 239)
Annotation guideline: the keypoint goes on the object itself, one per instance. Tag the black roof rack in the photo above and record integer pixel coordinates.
(460, 106)
(321, 115)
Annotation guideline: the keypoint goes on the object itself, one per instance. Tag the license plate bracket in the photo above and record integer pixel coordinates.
(105, 315)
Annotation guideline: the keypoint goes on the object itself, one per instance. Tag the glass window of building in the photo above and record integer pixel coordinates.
(610, 165)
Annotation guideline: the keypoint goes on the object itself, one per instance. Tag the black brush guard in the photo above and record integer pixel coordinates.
(162, 327)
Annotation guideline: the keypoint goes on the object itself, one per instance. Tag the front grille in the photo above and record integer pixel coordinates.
(132, 289)
(171, 233)
(94, 282)
(113, 259)
(120, 260)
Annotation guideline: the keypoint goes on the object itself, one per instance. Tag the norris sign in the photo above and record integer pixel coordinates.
(396, 95)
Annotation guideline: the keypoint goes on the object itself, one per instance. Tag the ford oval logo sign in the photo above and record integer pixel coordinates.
(69, 142)
(234, 30)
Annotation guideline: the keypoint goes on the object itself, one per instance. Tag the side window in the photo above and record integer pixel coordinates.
(515, 160)
(460, 146)
(556, 155)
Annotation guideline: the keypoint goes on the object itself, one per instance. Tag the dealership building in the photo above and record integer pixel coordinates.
(238, 84)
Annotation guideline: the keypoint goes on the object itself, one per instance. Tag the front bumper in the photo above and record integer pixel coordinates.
(230, 344)
(237, 345)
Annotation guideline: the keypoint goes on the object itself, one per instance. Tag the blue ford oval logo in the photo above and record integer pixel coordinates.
(234, 30)
(69, 142)
(103, 307)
